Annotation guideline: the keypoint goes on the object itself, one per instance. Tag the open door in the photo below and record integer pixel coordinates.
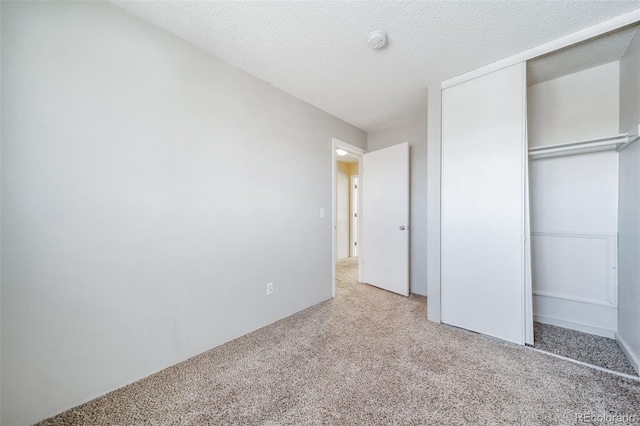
(385, 218)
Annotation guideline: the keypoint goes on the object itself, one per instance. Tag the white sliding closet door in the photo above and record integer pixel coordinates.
(483, 193)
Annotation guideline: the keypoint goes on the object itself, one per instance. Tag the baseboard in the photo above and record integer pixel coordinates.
(633, 358)
(575, 326)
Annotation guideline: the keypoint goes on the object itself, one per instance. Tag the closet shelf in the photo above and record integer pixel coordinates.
(609, 143)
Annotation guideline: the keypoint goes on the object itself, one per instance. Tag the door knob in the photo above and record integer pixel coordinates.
(402, 228)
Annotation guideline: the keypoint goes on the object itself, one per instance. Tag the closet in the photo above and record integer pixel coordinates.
(574, 138)
(539, 196)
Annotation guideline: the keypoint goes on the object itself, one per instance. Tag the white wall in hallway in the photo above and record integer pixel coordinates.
(130, 242)
(415, 133)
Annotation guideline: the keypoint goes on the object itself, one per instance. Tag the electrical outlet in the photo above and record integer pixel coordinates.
(269, 288)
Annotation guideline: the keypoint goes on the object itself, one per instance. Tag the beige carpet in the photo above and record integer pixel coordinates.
(367, 357)
(589, 348)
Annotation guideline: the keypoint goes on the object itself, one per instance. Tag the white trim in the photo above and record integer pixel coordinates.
(526, 253)
(337, 143)
(633, 359)
(525, 324)
(580, 234)
(585, 364)
(574, 299)
(574, 326)
(334, 170)
(437, 317)
(442, 288)
(557, 44)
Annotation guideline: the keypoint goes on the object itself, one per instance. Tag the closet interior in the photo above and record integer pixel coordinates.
(578, 131)
(540, 201)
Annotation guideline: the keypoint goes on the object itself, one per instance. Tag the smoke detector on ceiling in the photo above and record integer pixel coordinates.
(377, 40)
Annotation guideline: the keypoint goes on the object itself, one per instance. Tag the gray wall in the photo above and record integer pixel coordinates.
(415, 133)
(629, 206)
(434, 149)
(150, 191)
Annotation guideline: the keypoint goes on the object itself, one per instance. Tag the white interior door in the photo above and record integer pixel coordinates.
(483, 194)
(385, 219)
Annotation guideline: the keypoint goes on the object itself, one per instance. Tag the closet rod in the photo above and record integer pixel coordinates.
(607, 143)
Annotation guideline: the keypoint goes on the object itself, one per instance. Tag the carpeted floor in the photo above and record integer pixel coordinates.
(596, 350)
(367, 357)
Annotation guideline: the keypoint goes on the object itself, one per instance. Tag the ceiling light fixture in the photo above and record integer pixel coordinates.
(377, 40)
(341, 152)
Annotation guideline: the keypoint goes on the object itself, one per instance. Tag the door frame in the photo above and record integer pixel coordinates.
(338, 144)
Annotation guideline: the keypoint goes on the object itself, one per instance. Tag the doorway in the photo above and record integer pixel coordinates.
(347, 163)
(382, 220)
(346, 172)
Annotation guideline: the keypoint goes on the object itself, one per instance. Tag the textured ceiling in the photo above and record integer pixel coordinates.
(597, 51)
(317, 51)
